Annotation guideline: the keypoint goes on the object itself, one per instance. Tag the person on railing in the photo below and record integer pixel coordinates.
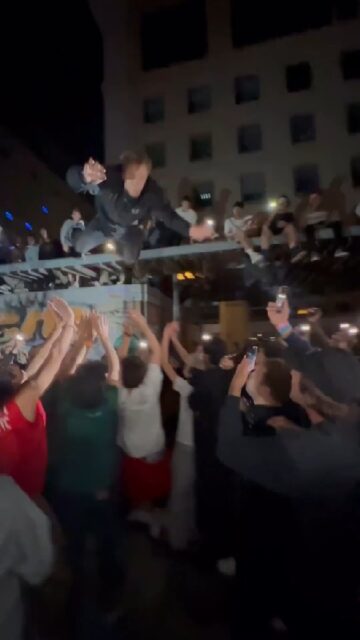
(74, 222)
(282, 221)
(236, 229)
(127, 198)
(316, 216)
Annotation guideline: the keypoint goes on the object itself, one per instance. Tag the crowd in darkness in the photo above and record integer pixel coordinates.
(261, 481)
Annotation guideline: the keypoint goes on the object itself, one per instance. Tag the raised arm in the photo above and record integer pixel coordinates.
(33, 389)
(165, 344)
(279, 318)
(45, 348)
(183, 354)
(79, 348)
(128, 333)
(101, 327)
(86, 179)
(140, 323)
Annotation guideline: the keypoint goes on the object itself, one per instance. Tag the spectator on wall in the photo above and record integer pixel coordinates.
(74, 222)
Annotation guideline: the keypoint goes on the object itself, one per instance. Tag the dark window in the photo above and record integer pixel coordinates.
(355, 171)
(302, 128)
(199, 99)
(350, 64)
(252, 23)
(346, 9)
(154, 110)
(157, 154)
(298, 77)
(306, 179)
(174, 34)
(201, 147)
(247, 88)
(252, 187)
(353, 117)
(204, 194)
(249, 138)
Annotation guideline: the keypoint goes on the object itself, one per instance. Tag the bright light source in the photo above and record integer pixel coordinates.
(180, 276)
(143, 344)
(110, 246)
(344, 325)
(44, 209)
(302, 312)
(20, 337)
(28, 226)
(353, 331)
(210, 222)
(259, 335)
(305, 328)
(9, 216)
(206, 337)
(189, 275)
(272, 205)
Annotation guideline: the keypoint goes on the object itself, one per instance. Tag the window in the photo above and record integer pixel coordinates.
(355, 171)
(252, 187)
(247, 88)
(302, 128)
(174, 34)
(353, 117)
(154, 110)
(204, 194)
(201, 147)
(350, 64)
(298, 77)
(199, 99)
(306, 179)
(157, 154)
(249, 138)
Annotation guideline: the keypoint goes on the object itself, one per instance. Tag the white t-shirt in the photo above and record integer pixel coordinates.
(232, 225)
(141, 433)
(26, 554)
(185, 428)
(190, 215)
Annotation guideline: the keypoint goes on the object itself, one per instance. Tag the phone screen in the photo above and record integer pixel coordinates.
(251, 355)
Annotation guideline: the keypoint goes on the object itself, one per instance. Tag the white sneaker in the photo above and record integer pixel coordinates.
(314, 257)
(258, 259)
(341, 253)
(227, 567)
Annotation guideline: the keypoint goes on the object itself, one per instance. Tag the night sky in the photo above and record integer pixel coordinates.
(51, 77)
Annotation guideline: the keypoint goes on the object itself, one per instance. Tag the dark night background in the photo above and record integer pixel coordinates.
(51, 77)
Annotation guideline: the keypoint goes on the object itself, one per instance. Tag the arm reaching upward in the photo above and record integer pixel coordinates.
(138, 320)
(165, 344)
(101, 327)
(46, 347)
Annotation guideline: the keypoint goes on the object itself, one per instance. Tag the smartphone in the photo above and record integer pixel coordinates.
(281, 297)
(251, 356)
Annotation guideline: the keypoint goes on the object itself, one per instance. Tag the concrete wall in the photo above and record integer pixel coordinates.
(126, 86)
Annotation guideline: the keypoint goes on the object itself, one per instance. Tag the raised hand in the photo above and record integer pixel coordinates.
(172, 329)
(94, 172)
(101, 326)
(278, 316)
(61, 308)
(137, 319)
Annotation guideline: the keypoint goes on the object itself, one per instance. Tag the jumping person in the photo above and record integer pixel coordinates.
(127, 198)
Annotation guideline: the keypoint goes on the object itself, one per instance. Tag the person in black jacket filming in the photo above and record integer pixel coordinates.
(127, 201)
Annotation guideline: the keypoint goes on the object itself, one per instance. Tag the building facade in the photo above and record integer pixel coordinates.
(241, 121)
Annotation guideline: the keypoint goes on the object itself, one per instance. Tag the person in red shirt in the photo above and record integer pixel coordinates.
(23, 443)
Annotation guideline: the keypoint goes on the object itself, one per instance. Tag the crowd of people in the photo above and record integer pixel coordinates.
(260, 480)
(132, 212)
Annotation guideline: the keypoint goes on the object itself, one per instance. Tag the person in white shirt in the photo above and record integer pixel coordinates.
(146, 464)
(26, 554)
(186, 211)
(235, 229)
(74, 222)
(181, 522)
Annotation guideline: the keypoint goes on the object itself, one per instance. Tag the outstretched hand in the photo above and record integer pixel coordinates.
(101, 325)
(137, 319)
(172, 329)
(94, 172)
(61, 308)
(276, 315)
(201, 232)
(241, 375)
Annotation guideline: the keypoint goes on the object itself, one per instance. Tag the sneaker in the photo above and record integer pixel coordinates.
(258, 259)
(227, 567)
(297, 254)
(314, 256)
(341, 253)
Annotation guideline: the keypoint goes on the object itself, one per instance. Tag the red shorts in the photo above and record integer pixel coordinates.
(145, 482)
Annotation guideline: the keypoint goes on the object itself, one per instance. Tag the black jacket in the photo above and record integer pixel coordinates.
(116, 208)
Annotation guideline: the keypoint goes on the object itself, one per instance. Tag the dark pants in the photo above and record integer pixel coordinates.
(128, 240)
(81, 516)
(312, 242)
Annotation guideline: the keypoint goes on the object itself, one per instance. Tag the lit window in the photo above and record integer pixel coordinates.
(302, 128)
(153, 110)
(157, 154)
(201, 147)
(306, 179)
(247, 88)
(204, 194)
(249, 138)
(9, 216)
(199, 99)
(298, 77)
(253, 187)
